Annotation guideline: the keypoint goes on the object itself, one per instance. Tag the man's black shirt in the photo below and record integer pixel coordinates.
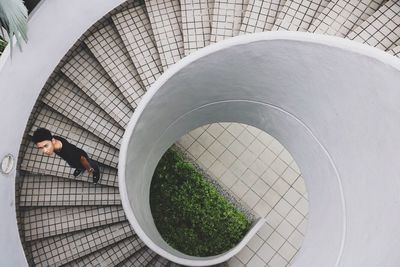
(70, 153)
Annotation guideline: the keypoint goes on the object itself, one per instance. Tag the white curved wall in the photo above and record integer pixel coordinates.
(333, 103)
(52, 30)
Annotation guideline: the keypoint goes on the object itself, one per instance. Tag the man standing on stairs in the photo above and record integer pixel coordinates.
(75, 157)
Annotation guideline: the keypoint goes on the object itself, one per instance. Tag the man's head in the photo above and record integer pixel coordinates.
(44, 141)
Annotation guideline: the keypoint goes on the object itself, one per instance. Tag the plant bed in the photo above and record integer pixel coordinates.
(189, 212)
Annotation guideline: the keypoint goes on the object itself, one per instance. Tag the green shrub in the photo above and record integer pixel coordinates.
(189, 212)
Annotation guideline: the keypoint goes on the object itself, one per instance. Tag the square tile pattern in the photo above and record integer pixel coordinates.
(67, 99)
(135, 29)
(298, 15)
(196, 24)
(262, 174)
(36, 162)
(109, 49)
(260, 15)
(141, 258)
(226, 18)
(381, 29)
(395, 51)
(59, 125)
(58, 250)
(45, 190)
(111, 255)
(44, 222)
(342, 16)
(165, 18)
(91, 78)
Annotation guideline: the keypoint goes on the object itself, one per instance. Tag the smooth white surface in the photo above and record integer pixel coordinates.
(52, 30)
(333, 103)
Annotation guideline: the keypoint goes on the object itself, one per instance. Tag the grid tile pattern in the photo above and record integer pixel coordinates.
(71, 102)
(135, 30)
(50, 221)
(110, 256)
(43, 190)
(260, 15)
(165, 18)
(260, 173)
(61, 126)
(382, 29)
(341, 16)
(55, 251)
(395, 51)
(89, 76)
(196, 24)
(36, 162)
(109, 49)
(140, 258)
(227, 18)
(159, 262)
(297, 15)
(173, 264)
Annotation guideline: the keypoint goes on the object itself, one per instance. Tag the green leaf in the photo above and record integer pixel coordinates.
(14, 19)
(189, 212)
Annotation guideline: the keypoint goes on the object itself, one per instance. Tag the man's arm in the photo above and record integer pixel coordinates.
(85, 163)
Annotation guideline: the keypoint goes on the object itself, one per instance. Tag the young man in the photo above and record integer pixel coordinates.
(75, 157)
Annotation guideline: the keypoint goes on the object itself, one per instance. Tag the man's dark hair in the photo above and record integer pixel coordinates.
(41, 134)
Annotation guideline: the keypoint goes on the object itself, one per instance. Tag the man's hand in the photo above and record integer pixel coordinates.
(85, 163)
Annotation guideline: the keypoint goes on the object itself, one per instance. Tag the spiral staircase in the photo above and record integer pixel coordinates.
(92, 94)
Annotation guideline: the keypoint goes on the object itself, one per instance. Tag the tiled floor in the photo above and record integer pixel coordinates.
(262, 174)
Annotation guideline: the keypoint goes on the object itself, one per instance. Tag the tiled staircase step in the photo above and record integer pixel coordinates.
(382, 29)
(110, 256)
(59, 250)
(166, 19)
(260, 15)
(196, 24)
(109, 49)
(84, 70)
(227, 19)
(44, 222)
(59, 125)
(395, 51)
(298, 15)
(173, 264)
(141, 258)
(36, 162)
(44, 190)
(134, 27)
(339, 17)
(71, 102)
(158, 261)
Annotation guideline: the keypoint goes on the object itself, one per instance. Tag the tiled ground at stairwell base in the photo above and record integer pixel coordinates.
(261, 173)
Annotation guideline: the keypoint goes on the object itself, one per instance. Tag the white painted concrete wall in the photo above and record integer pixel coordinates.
(52, 30)
(333, 103)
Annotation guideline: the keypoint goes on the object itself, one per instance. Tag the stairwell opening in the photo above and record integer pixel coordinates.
(259, 173)
(264, 83)
(249, 168)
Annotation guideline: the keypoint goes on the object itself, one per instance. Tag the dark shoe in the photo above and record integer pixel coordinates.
(77, 172)
(96, 174)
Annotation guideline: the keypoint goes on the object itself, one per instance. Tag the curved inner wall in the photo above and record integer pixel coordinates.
(300, 92)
